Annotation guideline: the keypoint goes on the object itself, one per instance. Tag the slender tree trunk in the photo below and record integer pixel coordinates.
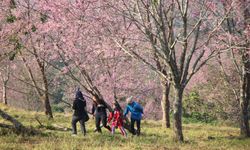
(5, 93)
(5, 74)
(46, 100)
(44, 95)
(177, 107)
(245, 95)
(165, 103)
(48, 111)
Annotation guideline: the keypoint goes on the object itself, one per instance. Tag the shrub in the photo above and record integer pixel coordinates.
(11, 18)
(197, 110)
(57, 108)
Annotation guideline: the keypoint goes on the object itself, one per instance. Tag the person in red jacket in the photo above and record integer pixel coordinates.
(115, 119)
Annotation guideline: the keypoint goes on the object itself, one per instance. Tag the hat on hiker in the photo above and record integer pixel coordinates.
(129, 99)
(79, 94)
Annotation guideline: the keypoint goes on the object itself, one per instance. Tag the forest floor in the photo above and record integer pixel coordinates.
(56, 136)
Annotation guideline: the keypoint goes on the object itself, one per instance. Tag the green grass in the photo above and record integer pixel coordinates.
(197, 136)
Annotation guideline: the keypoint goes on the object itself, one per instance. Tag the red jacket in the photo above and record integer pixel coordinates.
(116, 118)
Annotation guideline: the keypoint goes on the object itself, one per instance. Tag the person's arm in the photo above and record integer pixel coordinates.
(74, 105)
(126, 111)
(142, 110)
(110, 117)
(93, 109)
(84, 105)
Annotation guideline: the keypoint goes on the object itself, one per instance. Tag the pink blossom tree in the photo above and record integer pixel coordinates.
(20, 28)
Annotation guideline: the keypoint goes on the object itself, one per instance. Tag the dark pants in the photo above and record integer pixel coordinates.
(138, 124)
(75, 119)
(101, 118)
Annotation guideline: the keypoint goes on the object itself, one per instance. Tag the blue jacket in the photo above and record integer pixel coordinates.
(135, 109)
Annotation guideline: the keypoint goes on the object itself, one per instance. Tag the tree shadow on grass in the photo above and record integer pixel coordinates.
(228, 137)
(151, 124)
(210, 128)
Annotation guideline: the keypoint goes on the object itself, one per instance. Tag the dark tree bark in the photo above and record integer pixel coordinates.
(46, 100)
(177, 107)
(165, 103)
(245, 76)
(245, 96)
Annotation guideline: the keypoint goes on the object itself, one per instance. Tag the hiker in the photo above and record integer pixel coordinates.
(136, 111)
(115, 119)
(80, 113)
(99, 110)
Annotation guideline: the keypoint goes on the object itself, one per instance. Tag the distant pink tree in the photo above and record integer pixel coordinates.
(236, 39)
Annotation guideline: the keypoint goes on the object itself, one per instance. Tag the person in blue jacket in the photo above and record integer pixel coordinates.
(136, 111)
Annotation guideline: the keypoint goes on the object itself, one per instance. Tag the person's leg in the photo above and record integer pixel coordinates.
(104, 122)
(123, 131)
(132, 126)
(73, 123)
(138, 123)
(97, 123)
(113, 129)
(83, 128)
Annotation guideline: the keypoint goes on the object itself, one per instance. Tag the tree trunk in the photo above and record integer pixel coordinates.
(45, 96)
(5, 93)
(48, 111)
(165, 103)
(47, 106)
(245, 95)
(177, 107)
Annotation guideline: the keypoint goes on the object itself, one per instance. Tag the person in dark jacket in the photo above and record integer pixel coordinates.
(136, 111)
(80, 113)
(99, 110)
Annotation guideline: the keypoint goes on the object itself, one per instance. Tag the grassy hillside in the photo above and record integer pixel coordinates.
(197, 136)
